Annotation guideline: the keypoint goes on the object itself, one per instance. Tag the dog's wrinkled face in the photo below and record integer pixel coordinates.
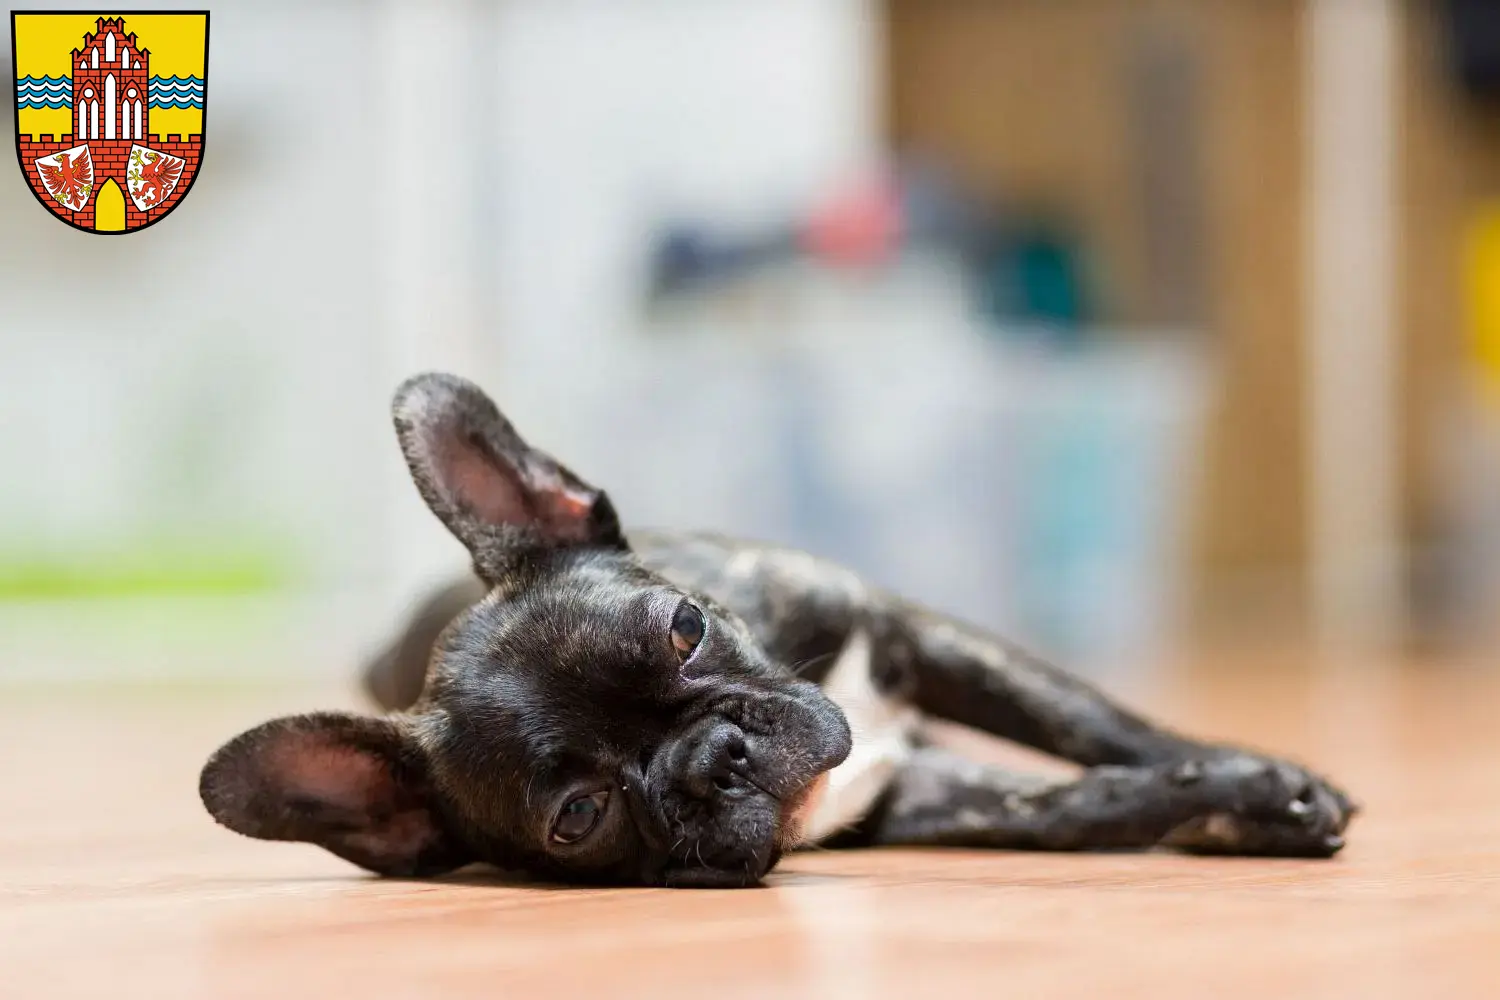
(601, 724)
(585, 721)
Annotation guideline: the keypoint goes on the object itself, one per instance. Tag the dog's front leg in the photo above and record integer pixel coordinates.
(1222, 804)
(957, 672)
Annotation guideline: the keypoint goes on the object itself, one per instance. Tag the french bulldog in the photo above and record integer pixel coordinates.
(682, 709)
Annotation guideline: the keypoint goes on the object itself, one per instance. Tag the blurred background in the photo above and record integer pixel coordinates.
(1122, 327)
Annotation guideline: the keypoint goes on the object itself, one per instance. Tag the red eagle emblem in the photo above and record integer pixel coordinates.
(152, 174)
(68, 176)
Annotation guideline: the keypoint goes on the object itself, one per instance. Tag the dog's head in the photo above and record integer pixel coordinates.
(586, 720)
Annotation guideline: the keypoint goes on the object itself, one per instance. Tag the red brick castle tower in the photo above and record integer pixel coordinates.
(110, 75)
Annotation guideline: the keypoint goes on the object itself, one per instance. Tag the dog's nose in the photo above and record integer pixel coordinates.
(719, 762)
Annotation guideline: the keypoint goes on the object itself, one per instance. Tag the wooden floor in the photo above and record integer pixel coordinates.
(113, 882)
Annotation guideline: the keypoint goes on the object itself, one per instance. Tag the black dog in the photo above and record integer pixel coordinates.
(677, 710)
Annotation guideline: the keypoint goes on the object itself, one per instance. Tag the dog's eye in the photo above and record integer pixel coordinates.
(579, 817)
(687, 630)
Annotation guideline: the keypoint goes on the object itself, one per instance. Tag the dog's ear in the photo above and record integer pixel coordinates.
(491, 489)
(352, 784)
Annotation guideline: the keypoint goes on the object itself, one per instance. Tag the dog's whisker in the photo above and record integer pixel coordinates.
(798, 669)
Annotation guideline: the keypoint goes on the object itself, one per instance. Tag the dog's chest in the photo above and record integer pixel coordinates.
(883, 726)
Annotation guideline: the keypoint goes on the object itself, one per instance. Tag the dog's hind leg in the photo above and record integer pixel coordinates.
(395, 676)
(1225, 804)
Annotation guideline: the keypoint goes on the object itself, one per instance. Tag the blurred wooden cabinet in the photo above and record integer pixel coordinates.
(1170, 134)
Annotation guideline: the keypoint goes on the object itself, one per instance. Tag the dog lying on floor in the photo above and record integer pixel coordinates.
(681, 709)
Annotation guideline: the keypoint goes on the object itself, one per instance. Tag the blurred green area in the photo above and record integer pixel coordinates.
(149, 568)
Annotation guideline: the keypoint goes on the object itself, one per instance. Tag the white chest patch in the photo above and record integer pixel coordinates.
(882, 727)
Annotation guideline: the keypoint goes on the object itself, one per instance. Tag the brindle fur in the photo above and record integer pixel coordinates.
(1144, 785)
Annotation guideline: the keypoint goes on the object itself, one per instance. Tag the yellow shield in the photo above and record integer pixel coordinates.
(110, 112)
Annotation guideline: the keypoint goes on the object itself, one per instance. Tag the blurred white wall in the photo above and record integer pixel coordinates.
(386, 187)
(608, 119)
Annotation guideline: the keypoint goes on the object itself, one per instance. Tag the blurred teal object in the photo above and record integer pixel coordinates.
(1103, 474)
(1035, 277)
(1092, 482)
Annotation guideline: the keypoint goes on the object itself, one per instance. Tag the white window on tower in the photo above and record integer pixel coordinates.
(93, 119)
(109, 47)
(82, 132)
(94, 56)
(109, 106)
(124, 119)
(138, 133)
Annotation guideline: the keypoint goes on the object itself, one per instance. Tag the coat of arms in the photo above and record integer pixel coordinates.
(110, 112)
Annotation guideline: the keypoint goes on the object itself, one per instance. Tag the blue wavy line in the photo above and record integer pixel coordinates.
(44, 92)
(57, 92)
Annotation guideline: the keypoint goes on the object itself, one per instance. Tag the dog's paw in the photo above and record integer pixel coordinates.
(1261, 806)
